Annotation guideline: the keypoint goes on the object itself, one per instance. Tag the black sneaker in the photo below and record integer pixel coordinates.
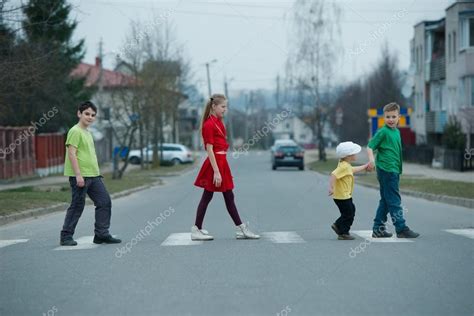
(68, 242)
(381, 233)
(345, 237)
(407, 233)
(335, 229)
(106, 240)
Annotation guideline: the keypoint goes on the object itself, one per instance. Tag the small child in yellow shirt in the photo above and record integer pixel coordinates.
(341, 186)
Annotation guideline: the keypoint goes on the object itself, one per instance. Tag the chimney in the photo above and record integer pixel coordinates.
(98, 61)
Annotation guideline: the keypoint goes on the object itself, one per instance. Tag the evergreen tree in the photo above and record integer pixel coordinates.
(43, 59)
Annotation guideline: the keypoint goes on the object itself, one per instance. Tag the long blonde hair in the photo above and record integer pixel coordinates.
(214, 99)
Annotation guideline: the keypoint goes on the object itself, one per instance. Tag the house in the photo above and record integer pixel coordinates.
(111, 97)
(291, 127)
(442, 58)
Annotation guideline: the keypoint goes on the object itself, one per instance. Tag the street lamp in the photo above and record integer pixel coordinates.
(208, 75)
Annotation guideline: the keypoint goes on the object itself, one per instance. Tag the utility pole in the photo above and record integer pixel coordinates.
(229, 113)
(209, 76)
(277, 96)
(208, 80)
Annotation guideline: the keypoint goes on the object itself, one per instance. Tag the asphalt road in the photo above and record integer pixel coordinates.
(297, 268)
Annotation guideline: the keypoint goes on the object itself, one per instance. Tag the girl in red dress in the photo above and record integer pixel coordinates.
(215, 174)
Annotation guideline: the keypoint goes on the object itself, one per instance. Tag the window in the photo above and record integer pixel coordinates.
(449, 48)
(428, 47)
(454, 46)
(416, 60)
(472, 91)
(467, 32)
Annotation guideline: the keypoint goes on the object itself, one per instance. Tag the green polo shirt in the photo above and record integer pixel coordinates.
(86, 157)
(388, 145)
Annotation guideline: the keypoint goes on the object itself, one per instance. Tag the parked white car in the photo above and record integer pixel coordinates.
(172, 153)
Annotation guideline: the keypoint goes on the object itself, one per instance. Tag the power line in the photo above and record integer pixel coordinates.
(274, 18)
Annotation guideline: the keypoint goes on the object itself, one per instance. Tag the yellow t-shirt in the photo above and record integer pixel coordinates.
(344, 185)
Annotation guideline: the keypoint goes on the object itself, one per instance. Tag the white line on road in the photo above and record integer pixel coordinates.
(467, 232)
(367, 234)
(180, 239)
(6, 243)
(84, 242)
(283, 237)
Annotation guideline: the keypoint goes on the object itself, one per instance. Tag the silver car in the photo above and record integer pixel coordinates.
(172, 153)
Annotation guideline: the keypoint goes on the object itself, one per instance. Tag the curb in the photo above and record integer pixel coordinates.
(469, 203)
(61, 206)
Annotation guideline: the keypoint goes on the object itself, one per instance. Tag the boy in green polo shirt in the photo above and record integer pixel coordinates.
(388, 145)
(82, 168)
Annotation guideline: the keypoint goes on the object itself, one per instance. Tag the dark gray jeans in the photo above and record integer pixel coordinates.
(94, 187)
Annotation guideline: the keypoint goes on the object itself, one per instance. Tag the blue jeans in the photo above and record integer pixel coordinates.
(94, 187)
(390, 201)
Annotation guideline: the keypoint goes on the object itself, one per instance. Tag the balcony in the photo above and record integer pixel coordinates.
(438, 69)
(435, 121)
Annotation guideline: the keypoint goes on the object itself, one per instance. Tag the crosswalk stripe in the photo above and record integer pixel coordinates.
(6, 243)
(84, 242)
(467, 232)
(283, 237)
(367, 234)
(180, 239)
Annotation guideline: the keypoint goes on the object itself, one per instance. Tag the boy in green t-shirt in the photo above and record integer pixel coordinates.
(388, 145)
(82, 168)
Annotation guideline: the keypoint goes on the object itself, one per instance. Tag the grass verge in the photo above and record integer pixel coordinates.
(21, 199)
(412, 183)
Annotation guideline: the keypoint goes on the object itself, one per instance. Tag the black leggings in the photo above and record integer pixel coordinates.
(347, 209)
(229, 203)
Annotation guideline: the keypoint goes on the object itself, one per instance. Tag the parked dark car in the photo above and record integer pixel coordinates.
(288, 156)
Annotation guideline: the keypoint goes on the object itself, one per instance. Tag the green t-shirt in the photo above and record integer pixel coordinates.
(388, 145)
(86, 157)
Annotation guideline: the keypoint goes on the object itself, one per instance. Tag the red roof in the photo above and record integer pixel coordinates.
(110, 79)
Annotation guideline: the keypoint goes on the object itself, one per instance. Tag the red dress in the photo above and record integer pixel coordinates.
(214, 133)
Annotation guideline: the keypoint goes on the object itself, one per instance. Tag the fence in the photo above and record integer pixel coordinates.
(50, 153)
(17, 153)
(418, 154)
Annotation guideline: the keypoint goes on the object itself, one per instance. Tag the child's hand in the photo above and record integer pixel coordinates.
(370, 166)
(330, 191)
(217, 179)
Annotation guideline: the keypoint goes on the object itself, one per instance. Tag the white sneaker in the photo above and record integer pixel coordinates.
(197, 234)
(243, 232)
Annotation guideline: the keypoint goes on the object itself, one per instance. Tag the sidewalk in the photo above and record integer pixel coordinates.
(423, 171)
(56, 180)
(409, 169)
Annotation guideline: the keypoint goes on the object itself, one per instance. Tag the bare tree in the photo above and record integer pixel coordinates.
(161, 75)
(314, 51)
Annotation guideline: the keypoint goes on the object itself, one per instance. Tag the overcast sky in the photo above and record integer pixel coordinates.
(249, 39)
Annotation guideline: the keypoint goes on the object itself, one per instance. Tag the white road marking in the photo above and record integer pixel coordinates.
(367, 234)
(84, 242)
(180, 239)
(6, 243)
(467, 232)
(283, 237)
